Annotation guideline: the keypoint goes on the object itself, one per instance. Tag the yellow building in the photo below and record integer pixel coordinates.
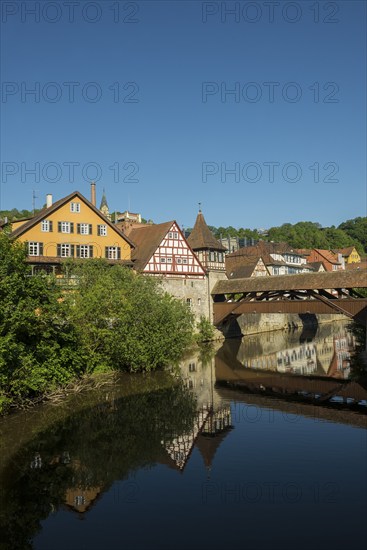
(349, 254)
(72, 227)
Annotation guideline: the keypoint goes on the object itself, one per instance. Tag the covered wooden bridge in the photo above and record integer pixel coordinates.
(318, 293)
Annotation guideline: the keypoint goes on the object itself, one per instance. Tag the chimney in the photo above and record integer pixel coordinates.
(48, 200)
(93, 193)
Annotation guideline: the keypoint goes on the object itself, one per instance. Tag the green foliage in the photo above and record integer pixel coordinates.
(15, 214)
(38, 344)
(126, 320)
(307, 234)
(357, 230)
(112, 319)
(205, 330)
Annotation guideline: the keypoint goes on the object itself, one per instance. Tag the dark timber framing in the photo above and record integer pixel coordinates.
(330, 292)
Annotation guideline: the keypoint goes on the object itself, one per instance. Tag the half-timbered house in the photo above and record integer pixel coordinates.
(162, 250)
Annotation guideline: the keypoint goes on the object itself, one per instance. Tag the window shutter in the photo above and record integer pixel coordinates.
(59, 250)
(78, 228)
(78, 251)
(118, 253)
(72, 250)
(106, 251)
(98, 230)
(90, 229)
(50, 225)
(91, 251)
(71, 227)
(41, 249)
(59, 227)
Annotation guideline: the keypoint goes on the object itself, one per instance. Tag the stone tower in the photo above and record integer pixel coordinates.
(211, 254)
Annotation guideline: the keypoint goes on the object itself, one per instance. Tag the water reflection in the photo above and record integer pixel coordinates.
(327, 352)
(315, 366)
(193, 426)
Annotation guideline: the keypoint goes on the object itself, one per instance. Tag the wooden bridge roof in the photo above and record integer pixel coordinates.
(306, 281)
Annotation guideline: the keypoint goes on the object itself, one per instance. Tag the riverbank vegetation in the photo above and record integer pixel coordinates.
(112, 319)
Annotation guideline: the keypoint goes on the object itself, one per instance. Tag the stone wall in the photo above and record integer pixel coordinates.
(193, 289)
(265, 322)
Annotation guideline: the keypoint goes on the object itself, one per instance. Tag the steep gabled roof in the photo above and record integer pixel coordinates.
(201, 238)
(45, 212)
(329, 256)
(344, 251)
(147, 238)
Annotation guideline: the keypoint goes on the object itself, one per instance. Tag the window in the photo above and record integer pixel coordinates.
(75, 207)
(199, 301)
(65, 250)
(189, 302)
(65, 227)
(220, 257)
(84, 228)
(113, 252)
(212, 256)
(173, 235)
(192, 367)
(46, 226)
(84, 251)
(170, 235)
(169, 260)
(178, 261)
(35, 249)
(163, 260)
(184, 260)
(102, 230)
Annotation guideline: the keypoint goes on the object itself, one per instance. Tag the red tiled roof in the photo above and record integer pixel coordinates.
(147, 238)
(201, 238)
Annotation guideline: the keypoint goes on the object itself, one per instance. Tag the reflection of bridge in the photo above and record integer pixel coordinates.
(230, 371)
(305, 293)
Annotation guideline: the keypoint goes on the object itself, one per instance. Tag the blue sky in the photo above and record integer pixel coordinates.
(137, 95)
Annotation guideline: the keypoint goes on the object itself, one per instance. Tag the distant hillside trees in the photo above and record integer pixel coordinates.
(356, 229)
(306, 234)
(15, 214)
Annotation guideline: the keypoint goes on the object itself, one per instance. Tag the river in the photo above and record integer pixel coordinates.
(260, 445)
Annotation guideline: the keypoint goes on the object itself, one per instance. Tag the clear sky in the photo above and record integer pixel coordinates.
(137, 95)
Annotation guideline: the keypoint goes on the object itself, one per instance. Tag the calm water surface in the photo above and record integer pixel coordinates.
(259, 446)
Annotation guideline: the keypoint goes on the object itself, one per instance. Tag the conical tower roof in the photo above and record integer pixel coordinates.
(103, 200)
(201, 238)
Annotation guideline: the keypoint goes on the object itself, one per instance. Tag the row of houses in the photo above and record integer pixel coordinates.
(269, 258)
(73, 227)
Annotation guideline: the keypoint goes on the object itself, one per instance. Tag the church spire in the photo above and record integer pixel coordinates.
(104, 206)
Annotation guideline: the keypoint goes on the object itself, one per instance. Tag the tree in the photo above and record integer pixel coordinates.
(38, 344)
(357, 230)
(126, 320)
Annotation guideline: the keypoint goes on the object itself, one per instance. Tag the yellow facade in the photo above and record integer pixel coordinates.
(76, 230)
(353, 257)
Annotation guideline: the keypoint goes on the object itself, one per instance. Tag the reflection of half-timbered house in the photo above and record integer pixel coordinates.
(162, 250)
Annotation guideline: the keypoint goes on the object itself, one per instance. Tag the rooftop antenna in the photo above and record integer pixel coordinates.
(34, 197)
